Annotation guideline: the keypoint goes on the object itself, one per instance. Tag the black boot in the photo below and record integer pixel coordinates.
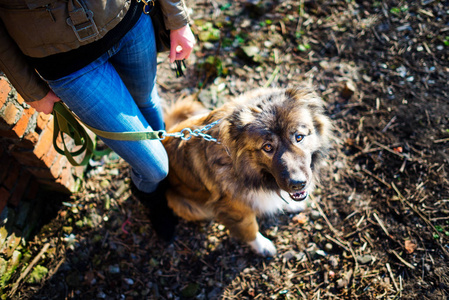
(162, 218)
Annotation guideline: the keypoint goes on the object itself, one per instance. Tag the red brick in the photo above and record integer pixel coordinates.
(42, 121)
(24, 144)
(41, 173)
(20, 99)
(12, 176)
(5, 88)
(31, 110)
(27, 158)
(5, 162)
(32, 137)
(54, 186)
(33, 189)
(10, 113)
(45, 141)
(4, 196)
(22, 124)
(20, 188)
(66, 179)
(49, 158)
(9, 134)
(78, 171)
(58, 165)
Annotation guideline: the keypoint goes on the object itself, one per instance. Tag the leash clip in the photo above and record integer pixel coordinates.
(148, 6)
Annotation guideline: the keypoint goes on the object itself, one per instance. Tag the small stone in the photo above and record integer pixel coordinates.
(318, 227)
(339, 165)
(115, 269)
(333, 261)
(315, 215)
(328, 247)
(312, 249)
(364, 259)
(289, 255)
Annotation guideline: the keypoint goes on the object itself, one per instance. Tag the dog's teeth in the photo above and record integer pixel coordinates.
(298, 196)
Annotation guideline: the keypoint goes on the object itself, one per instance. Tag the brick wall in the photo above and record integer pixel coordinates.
(28, 160)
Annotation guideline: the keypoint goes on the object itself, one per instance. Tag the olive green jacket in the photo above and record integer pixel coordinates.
(39, 28)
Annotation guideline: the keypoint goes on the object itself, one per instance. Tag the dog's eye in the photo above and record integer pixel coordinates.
(267, 147)
(299, 137)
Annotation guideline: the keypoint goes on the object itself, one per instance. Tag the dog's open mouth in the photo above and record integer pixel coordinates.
(299, 196)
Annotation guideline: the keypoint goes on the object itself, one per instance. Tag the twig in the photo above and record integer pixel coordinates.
(272, 77)
(441, 141)
(377, 178)
(392, 277)
(341, 244)
(427, 221)
(392, 151)
(403, 260)
(337, 233)
(29, 268)
(402, 198)
(389, 124)
(381, 224)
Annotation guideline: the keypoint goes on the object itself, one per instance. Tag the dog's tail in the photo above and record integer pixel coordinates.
(183, 109)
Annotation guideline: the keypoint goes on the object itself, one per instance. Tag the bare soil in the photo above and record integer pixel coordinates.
(378, 225)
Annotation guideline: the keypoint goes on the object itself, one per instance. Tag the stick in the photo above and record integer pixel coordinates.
(273, 75)
(28, 269)
(392, 277)
(381, 224)
(393, 152)
(377, 177)
(403, 260)
(337, 233)
(389, 124)
(441, 141)
(336, 242)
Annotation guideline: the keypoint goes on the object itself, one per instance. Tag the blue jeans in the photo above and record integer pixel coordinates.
(117, 92)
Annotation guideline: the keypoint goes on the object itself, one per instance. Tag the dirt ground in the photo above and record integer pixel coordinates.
(378, 224)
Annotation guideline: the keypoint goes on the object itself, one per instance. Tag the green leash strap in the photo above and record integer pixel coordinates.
(65, 121)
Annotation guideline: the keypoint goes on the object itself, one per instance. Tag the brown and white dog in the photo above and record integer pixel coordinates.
(270, 143)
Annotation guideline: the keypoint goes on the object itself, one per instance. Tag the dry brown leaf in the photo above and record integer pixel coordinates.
(410, 247)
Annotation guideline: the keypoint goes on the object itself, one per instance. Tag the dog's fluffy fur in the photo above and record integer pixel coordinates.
(270, 145)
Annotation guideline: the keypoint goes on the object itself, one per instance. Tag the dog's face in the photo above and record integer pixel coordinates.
(276, 140)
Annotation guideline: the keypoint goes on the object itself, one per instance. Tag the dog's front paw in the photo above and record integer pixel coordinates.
(263, 246)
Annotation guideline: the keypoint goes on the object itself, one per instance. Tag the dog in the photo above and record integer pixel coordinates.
(266, 158)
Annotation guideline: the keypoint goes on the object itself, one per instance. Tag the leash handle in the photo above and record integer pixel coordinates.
(66, 122)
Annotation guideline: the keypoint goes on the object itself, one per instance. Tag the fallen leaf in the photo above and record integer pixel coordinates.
(410, 247)
(300, 218)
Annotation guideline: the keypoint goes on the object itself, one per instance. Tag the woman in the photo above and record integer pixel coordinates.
(99, 57)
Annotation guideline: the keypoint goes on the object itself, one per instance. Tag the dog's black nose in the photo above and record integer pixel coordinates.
(297, 185)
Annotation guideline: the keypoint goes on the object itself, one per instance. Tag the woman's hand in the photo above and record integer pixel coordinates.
(45, 105)
(181, 43)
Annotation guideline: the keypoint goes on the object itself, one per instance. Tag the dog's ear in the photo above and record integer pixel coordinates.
(323, 125)
(233, 127)
(305, 96)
